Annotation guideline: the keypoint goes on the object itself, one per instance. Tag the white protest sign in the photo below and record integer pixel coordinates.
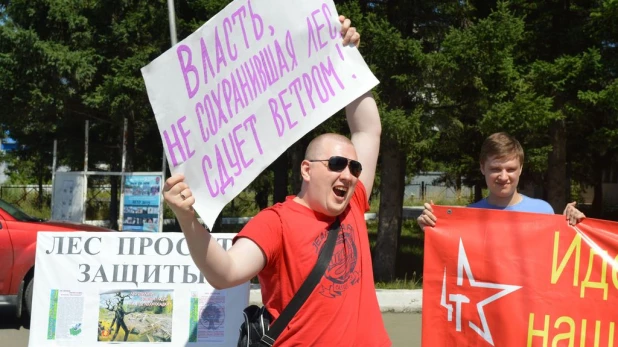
(234, 95)
(93, 288)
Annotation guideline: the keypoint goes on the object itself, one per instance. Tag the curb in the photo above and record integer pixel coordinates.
(390, 300)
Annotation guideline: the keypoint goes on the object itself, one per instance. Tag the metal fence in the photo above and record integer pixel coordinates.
(422, 192)
(97, 206)
(26, 197)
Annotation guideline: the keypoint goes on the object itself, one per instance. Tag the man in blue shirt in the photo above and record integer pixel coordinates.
(502, 158)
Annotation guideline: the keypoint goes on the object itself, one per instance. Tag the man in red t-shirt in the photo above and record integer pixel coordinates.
(281, 244)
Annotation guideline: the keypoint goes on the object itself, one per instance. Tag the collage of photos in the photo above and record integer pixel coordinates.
(142, 185)
(142, 203)
(135, 316)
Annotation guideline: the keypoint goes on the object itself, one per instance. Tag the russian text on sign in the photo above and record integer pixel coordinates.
(231, 97)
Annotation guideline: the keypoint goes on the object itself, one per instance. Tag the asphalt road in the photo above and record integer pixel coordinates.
(12, 332)
(404, 329)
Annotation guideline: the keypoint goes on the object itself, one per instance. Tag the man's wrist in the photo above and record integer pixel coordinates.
(185, 217)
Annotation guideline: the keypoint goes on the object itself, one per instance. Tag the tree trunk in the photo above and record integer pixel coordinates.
(113, 202)
(458, 186)
(40, 197)
(262, 186)
(280, 168)
(261, 198)
(115, 185)
(478, 191)
(297, 155)
(569, 174)
(556, 170)
(597, 201)
(129, 162)
(40, 174)
(391, 204)
(217, 226)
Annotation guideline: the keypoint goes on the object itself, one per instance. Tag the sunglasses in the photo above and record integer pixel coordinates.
(338, 164)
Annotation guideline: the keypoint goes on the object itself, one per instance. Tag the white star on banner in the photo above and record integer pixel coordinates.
(464, 265)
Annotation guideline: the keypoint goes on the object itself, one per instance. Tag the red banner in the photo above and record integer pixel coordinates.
(499, 278)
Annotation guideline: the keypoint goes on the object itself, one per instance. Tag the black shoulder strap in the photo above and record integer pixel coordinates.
(306, 288)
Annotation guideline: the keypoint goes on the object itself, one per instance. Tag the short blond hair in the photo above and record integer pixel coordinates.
(501, 145)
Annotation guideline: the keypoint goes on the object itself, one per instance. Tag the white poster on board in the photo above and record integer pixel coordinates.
(98, 288)
(68, 196)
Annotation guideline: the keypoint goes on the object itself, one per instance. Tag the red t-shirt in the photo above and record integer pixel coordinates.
(343, 309)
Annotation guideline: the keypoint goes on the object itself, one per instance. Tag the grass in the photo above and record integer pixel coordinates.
(27, 201)
(409, 258)
(97, 207)
(461, 200)
(414, 283)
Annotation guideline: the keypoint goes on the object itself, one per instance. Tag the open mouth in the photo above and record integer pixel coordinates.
(340, 191)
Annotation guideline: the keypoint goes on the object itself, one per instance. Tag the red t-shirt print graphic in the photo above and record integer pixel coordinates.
(341, 273)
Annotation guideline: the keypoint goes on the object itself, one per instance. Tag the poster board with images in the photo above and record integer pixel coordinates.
(68, 196)
(142, 202)
(137, 288)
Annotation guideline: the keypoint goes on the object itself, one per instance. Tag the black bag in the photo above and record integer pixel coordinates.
(255, 331)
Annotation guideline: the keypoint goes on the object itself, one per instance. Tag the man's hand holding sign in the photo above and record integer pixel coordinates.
(245, 259)
(228, 101)
(231, 97)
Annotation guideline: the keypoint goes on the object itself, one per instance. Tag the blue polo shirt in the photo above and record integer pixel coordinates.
(526, 204)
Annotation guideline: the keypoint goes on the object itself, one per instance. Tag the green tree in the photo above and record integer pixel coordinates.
(473, 73)
(67, 62)
(594, 120)
(37, 75)
(398, 62)
(555, 34)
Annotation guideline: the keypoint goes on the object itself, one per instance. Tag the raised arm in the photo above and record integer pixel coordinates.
(221, 268)
(363, 119)
(364, 122)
